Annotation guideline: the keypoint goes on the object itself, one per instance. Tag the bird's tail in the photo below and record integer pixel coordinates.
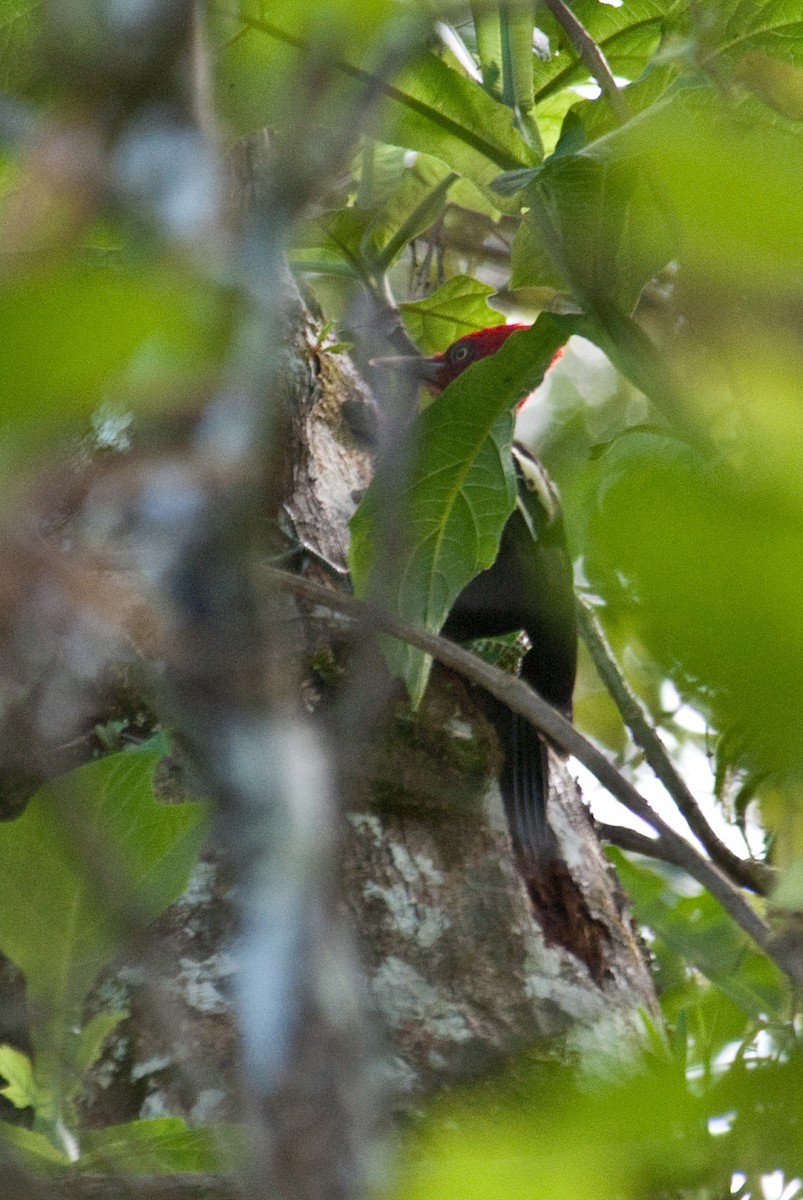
(525, 787)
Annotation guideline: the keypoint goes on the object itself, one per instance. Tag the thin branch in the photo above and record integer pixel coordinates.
(638, 843)
(591, 55)
(523, 700)
(746, 872)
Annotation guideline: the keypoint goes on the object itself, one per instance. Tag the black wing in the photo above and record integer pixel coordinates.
(530, 587)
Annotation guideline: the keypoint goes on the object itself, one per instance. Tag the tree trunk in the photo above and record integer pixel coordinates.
(461, 967)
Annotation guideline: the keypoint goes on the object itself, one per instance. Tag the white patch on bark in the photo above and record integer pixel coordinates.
(406, 998)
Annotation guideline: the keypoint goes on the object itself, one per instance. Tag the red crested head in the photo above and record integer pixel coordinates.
(461, 354)
(439, 370)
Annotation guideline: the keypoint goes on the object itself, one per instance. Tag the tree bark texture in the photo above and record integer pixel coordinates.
(459, 965)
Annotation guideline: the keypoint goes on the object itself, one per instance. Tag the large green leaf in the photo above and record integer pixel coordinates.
(58, 922)
(460, 491)
(601, 226)
(703, 562)
(458, 307)
(434, 109)
(74, 334)
(730, 174)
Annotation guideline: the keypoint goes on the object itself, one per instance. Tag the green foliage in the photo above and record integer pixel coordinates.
(159, 1146)
(725, 586)
(164, 1145)
(460, 306)
(102, 814)
(687, 522)
(460, 491)
(82, 332)
(21, 1088)
(109, 858)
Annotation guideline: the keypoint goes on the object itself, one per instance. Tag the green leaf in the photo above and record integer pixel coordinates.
(161, 1146)
(458, 307)
(488, 33)
(73, 334)
(627, 35)
(92, 1038)
(701, 151)
(438, 111)
(21, 1088)
(718, 613)
(517, 25)
(698, 930)
(343, 235)
(33, 1149)
(601, 226)
(418, 220)
(460, 493)
(63, 927)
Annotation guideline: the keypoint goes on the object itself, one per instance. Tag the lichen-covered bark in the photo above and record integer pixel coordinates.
(460, 968)
(460, 965)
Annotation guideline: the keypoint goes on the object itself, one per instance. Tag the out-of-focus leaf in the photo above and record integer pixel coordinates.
(458, 307)
(730, 175)
(32, 1149)
(707, 560)
(788, 893)
(92, 1037)
(71, 335)
(641, 1135)
(161, 1146)
(461, 489)
(60, 928)
(778, 84)
(291, 64)
(764, 1100)
(16, 1069)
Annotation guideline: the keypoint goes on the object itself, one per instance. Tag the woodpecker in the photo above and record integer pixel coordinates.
(529, 587)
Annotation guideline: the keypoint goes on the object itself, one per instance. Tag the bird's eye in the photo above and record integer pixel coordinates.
(460, 354)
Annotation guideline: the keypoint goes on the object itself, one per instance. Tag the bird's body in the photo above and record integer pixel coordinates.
(529, 587)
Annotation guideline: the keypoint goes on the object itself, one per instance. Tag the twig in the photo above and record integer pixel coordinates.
(747, 873)
(591, 55)
(523, 700)
(638, 843)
